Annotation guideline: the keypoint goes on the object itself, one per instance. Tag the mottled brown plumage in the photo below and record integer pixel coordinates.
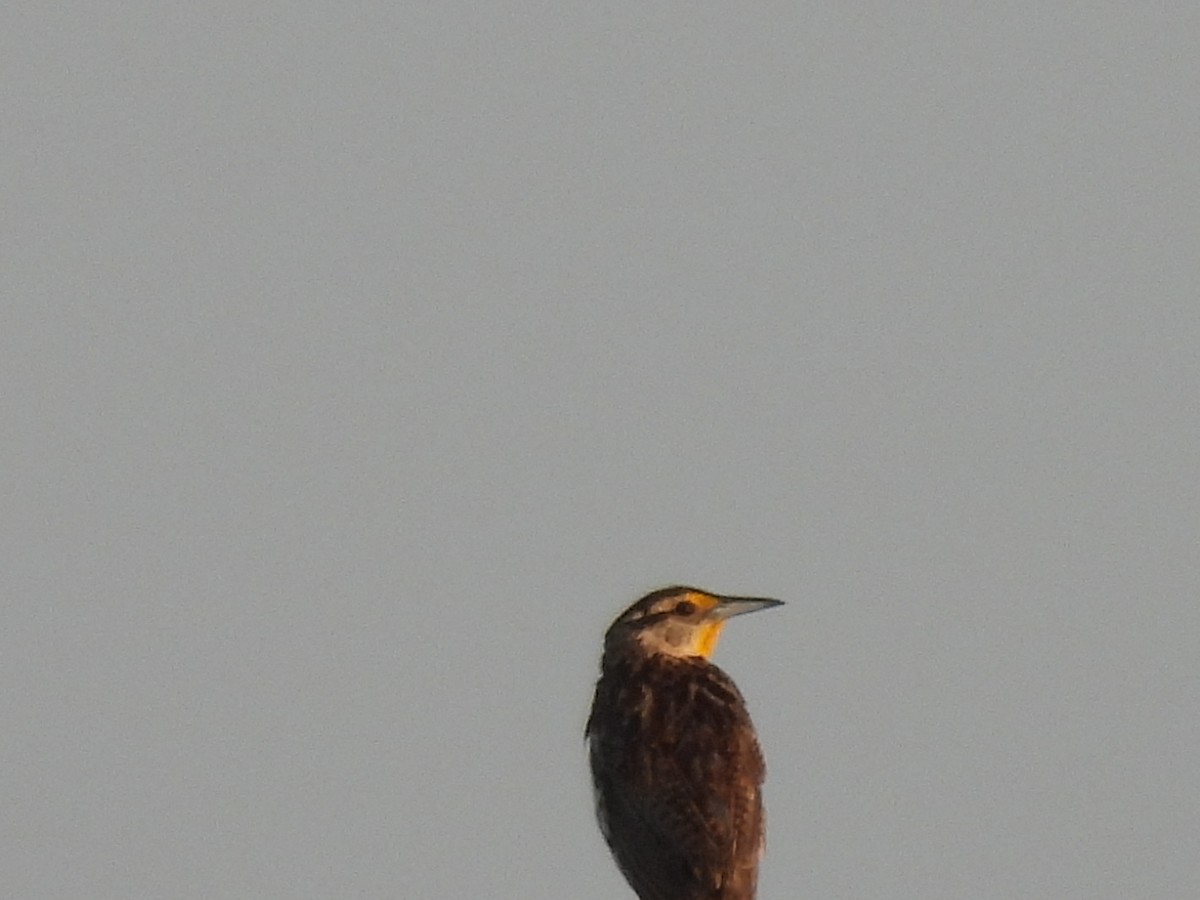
(676, 765)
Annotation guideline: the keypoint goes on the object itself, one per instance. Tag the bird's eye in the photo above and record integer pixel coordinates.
(685, 608)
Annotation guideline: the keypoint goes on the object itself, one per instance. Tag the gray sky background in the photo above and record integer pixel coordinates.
(361, 361)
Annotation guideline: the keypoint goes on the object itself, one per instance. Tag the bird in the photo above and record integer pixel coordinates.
(675, 762)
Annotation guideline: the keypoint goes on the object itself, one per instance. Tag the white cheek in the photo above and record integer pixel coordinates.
(676, 640)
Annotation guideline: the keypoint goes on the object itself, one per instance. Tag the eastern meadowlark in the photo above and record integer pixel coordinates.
(676, 765)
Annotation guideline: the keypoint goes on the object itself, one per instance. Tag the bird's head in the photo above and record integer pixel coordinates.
(679, 621)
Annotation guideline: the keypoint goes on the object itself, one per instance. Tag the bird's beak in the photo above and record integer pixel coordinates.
(728, 607)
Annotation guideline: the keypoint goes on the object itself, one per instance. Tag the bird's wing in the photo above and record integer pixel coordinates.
(689, 827)
(650, 837)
